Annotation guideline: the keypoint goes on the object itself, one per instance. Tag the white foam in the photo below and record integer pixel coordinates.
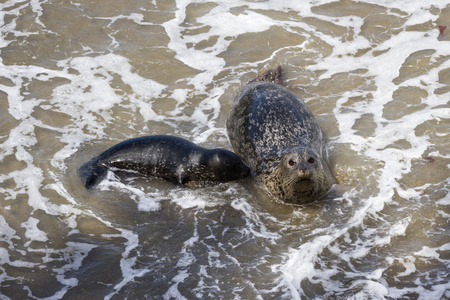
(300, 264)
(146, 201)
(32, 232)
(408, 264)
(410, 7)
(6, 232)
(87, 91)
(255, 226)
(77, 253)
(207, 60)
(10, 8)
(188, 199)
(127, 262)
(5, 259)
(431, 252)
(446, 199)
(187, 259)
(372, 290)
(89, 96)
(173, 292)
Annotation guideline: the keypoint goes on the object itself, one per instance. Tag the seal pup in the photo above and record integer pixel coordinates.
(277, 136)
(171, 158)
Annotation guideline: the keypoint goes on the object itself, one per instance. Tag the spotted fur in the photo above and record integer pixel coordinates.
(277, 136)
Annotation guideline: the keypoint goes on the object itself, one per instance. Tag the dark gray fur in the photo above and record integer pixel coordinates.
(277, 136)
(171, 158)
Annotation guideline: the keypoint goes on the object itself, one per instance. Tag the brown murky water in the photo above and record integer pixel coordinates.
(78, 77)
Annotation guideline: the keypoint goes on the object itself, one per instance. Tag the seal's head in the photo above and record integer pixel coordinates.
(301, 177)
(223, 165)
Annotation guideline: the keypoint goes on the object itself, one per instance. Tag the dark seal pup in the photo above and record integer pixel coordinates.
(277, 136)
(171, 158)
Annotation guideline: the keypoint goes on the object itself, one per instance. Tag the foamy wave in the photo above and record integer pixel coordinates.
(79, 77)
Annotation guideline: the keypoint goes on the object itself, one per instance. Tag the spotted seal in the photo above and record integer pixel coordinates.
(277, 136)
(171, 158)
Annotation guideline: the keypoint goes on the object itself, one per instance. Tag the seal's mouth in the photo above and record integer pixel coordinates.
(304, 176)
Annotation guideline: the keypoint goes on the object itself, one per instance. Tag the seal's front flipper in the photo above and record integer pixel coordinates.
(182, 179)
(92, 173)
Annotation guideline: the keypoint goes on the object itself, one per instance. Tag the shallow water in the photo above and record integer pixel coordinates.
(80, 76)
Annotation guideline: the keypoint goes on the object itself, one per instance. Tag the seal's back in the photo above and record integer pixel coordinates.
(273, 120)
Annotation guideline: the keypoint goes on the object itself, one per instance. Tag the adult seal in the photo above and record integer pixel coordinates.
(277, 136)
(171, 158)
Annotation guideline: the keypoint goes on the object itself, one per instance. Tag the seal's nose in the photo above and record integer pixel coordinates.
(303, 167)
(245, 172)
(304, 170)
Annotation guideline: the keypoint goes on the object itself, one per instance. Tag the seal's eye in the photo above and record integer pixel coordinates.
(291, 162)
(311, 160)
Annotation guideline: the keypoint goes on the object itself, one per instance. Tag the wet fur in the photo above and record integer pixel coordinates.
(170, 158)
(268, 124)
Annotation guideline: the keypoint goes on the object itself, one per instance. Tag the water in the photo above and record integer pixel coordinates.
(80, 76)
